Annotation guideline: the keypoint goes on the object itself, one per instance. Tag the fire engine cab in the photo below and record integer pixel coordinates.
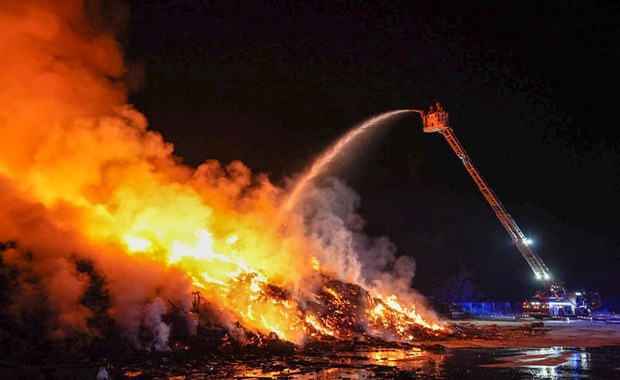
(560, 303)
(545, 307)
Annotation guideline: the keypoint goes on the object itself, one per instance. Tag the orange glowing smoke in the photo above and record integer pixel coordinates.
(82, 178)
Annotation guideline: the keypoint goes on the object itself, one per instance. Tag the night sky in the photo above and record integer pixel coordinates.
(530, 87)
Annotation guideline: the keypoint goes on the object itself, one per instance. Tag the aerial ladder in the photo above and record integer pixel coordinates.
(436, 120)
(554, 298)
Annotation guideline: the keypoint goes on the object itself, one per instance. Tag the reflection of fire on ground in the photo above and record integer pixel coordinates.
(105, 233)
(364, 357)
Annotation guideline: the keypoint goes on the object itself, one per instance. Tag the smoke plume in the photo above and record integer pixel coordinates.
(95, 202)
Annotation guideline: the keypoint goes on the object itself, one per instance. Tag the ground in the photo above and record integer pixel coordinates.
(476, 349)
(524, 333)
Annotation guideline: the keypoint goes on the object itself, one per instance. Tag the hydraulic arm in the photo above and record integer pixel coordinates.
(436, 120)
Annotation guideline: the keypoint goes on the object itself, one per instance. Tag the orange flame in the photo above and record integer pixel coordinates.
(84, 177)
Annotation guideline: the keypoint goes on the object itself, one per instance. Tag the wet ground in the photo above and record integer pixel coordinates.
(484, 350)
(462, 363)
(597, 363)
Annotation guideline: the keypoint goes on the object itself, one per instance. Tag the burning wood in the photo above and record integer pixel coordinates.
(340, 312)
(108, 239)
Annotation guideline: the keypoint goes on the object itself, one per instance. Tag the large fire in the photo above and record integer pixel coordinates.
(83, 179)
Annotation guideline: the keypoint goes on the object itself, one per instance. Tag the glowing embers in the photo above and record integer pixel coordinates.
(347, 311)
(339, 311)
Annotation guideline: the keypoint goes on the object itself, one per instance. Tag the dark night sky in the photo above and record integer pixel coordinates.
(530, 87)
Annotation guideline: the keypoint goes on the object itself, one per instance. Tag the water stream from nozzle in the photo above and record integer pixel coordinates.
(333, 152)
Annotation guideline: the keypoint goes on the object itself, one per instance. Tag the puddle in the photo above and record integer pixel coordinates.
(597, 363)
(472, 363)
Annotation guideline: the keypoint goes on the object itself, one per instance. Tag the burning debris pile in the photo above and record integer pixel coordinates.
(340, 314)
(107, 238)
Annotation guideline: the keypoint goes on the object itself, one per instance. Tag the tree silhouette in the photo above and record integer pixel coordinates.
(457, 288)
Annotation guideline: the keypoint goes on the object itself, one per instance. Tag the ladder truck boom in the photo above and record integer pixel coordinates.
(436, 120)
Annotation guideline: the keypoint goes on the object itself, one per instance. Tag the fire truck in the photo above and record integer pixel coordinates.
(554, 300)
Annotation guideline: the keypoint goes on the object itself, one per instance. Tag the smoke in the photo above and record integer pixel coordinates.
(95, 202)
(70, 148)
(331, 219)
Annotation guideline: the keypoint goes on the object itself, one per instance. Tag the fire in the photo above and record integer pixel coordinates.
(85, 180)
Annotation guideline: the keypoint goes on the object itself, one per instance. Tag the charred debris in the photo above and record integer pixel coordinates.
(26, 320)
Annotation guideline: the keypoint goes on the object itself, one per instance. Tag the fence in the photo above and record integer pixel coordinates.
(489, 309)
